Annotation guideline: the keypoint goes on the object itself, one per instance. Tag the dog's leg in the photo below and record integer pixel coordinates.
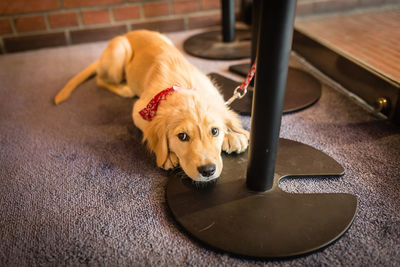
(236, 138)
(119, 89)
(111, 67)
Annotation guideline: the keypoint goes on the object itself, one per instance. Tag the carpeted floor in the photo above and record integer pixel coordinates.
(78, 187)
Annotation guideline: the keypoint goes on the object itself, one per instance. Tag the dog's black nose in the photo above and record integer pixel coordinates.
(207, 170)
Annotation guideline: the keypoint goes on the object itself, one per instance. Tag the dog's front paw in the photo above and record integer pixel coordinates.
(171, 162)
(236, 142)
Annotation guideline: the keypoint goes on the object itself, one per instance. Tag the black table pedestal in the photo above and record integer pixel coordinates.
(225, 44)
(302, 91)
(227, 216)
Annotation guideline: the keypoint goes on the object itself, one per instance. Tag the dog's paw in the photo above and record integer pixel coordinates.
(236, 142)
(171, 162)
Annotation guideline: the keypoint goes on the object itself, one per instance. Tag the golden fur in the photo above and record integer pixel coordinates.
(143, 63)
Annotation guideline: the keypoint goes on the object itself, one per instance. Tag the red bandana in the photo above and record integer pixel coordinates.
(150, 110)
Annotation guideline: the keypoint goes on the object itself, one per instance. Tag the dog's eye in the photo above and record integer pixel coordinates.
(214, 131)
(183, 137)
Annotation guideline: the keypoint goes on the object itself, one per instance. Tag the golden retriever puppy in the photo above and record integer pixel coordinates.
(182, 115)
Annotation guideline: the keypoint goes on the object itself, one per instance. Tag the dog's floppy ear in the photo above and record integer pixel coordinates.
(156, 136)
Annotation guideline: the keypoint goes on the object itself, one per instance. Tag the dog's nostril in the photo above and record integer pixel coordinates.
(207, 170)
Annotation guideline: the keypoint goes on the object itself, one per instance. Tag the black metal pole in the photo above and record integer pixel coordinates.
(228, 20)
(255, 13)
(274, 44)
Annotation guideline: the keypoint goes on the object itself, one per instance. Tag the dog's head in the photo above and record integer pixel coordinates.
(189, 127)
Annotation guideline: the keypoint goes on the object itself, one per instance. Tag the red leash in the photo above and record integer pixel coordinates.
(241, 90)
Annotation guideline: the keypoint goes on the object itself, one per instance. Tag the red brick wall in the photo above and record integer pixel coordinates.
(32, 24)
(44, 23)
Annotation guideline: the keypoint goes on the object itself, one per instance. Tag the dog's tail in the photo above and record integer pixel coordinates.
(74, 82)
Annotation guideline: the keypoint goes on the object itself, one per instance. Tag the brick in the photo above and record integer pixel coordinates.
(126, 12)
(95, 16)
(5, 26)
(210, 4)
(185, 6)
(61, 20)
(80, 3)
(24, 6)
(29, 24)
(204, 21)
(170, 25)
(156, 9)
(23, 43)
(94, 35)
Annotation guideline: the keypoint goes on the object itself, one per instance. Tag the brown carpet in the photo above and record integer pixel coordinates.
(77, 186)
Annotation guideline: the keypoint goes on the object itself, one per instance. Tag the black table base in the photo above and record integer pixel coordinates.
(227, 216)
(210, 45)
(302, 91)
